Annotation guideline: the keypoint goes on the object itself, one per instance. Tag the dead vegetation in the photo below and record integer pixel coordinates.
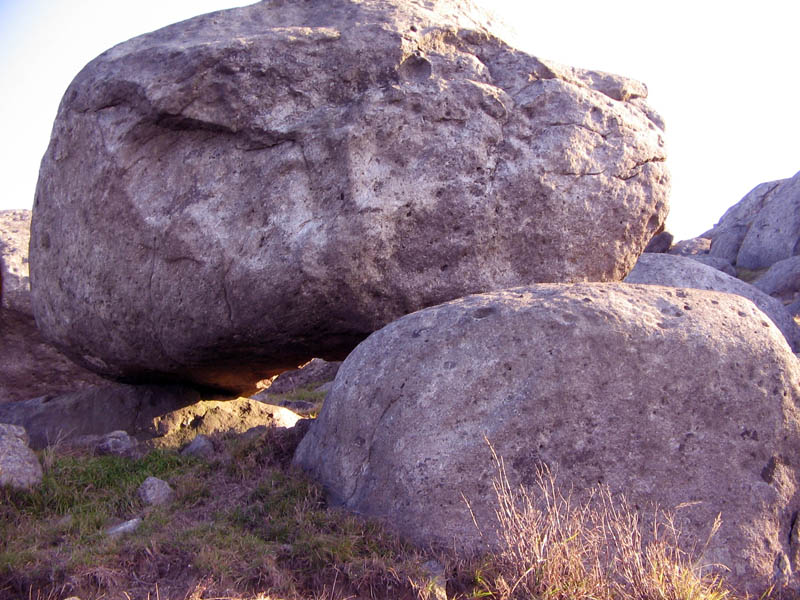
(246, 525)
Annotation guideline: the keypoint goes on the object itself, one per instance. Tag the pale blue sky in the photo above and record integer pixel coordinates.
(722, 74)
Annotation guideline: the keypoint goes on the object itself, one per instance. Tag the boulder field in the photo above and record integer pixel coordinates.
(667, 395)
(233, 195)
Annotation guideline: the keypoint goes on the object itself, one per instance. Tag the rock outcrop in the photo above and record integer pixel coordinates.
(669, 395)
(762, 228)
(235, 194)
(29, 365)
(684, 272)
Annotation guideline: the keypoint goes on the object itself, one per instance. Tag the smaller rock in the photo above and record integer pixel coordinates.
(19, 466)
(123, 528)
(200, 447)
(782, 280)
(794, 309)
(437, 581)
(660, 243)
(118, 443)
(155, 491)
(316, 371)
(698, 245)
(714, 261)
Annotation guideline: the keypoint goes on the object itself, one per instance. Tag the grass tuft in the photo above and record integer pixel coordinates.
(554, 547)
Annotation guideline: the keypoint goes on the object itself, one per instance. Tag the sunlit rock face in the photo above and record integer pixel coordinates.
(672, 397)
(233, 195)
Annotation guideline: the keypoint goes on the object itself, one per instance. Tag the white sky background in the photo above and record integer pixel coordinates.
(723, 74)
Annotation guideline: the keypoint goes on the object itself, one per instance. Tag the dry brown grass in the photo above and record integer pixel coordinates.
(554, 547)
(247, 526)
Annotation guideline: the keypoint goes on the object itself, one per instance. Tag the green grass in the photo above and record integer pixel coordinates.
(246, 525)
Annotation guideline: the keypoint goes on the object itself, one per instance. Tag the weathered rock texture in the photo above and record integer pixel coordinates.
(762, 228)
(29, 366)
(233, 195)
(668, 395)
(782, 279)
(691, 247)
(15, 290)
(19, 466)
(680, 271)
(180, 426)
(96, 411)
(661, 242)
(314, 373)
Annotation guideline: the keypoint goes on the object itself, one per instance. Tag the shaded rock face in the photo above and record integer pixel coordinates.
(314, 373)
(29, 365)
(661, 242)
(679, 271)
(762, 228)
(782, 280)
(698, 246)
(668, 395)
(97, 410)
(233, 195)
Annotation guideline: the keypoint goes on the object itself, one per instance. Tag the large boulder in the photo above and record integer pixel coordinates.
(29, 365)
(233, 195)
(762, 228)
(667, 395)
(680, 271)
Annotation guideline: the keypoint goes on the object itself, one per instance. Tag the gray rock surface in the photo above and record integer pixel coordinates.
(691, 247)
(775, 232)
(180, 426)
(315, 372)
(19, 466)
(200, 447)
(715, 262)
(118, 443)
(155, 491)
(230, 196)
(29, 366)
(95, 411)
(680, 271)
(661, 242)
(762, 228)
(782, 279)
(14, 280)
(668, 395)
(727, 235)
